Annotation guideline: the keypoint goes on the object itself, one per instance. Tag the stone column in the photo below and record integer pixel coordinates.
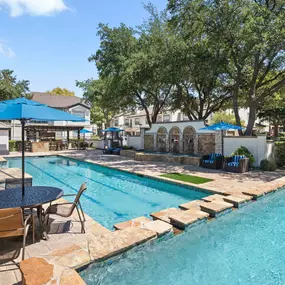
(181, 143)
(218, 142)
(142, 133)
(154, 142)
(196, 144)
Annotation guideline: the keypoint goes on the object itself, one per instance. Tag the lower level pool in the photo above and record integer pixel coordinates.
(244, 247)
(112, 196)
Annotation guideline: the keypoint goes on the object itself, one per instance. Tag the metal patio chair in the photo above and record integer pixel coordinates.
(11, 183)
(12, 224)
(66, 209)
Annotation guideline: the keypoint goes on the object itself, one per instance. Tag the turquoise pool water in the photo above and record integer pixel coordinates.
(112, 196)
(244, 247)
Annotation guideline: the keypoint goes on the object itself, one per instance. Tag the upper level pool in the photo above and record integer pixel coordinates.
(112, 196)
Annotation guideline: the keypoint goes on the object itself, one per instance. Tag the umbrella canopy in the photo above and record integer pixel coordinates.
(222, 126)
(24, 110)
(112, 129)
(84, 131)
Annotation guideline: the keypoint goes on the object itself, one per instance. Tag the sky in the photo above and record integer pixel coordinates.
(48, 42)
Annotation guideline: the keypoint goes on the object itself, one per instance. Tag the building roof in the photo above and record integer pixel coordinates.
(58, 101)
(3, 126)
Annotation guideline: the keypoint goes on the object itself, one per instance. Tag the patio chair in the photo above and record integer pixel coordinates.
(66, 209)
(11, 183)
(12, 225)
(212, 161)
(237, 163)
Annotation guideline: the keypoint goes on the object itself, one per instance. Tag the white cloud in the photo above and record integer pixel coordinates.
(33, 7)
(7, 51)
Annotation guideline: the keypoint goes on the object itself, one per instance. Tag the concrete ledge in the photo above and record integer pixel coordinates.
(215, 209)
(234, 200)
(137, 222)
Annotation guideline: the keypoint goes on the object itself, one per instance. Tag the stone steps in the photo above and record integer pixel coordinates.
(237, 202)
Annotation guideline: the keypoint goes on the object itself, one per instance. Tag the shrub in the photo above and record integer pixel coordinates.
(280, 153)
(242, 150)
(13, 145)
(281, 135)
(127, 147)
(267, 165)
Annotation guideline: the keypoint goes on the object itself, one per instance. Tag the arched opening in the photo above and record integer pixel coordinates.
(161, 139)
(189, 135)
(174, 140)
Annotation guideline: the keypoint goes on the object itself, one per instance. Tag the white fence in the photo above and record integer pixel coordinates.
(135, 142)
(258, 146)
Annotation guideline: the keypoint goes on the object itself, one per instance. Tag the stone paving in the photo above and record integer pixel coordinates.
(68, 249)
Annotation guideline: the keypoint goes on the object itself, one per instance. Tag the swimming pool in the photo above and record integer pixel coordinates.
(244, 247)
(112, 196)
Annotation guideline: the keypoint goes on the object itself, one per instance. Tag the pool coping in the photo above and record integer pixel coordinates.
(81, 253)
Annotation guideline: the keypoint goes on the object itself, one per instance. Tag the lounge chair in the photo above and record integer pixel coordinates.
(66, 209)
(12, 224)
(237, 163)
(212, 161)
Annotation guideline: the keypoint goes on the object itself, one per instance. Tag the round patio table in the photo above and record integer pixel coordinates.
(35, 197)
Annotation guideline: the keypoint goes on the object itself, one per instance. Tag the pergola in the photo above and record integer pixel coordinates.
(49, 128)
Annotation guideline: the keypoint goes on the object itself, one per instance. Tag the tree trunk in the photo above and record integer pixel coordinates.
(251, 119)
(236, 113)
(276, 131)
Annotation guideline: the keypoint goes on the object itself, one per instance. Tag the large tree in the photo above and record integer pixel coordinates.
(141, 62)
(101, 94)
(10, 87)
(251, 36)
(61, 91)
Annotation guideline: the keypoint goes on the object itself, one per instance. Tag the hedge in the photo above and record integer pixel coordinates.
(13, 145)
(280, 153)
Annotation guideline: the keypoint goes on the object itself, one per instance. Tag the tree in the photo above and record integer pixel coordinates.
(141, 63)
(251, 35)
(101, 93)
(273, 110)
(61, 91)
(10, 87)
(225, 117)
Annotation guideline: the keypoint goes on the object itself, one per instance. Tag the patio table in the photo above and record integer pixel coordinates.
(35, 197)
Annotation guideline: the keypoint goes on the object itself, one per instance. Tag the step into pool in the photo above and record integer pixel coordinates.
(112, 196)
(244, 247)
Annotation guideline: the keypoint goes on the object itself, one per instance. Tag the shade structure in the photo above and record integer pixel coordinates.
(112, 129)
(84, 131)
(27, 110)
(222, 126)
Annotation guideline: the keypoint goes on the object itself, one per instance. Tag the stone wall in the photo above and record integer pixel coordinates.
(149, 142)
(206, 143)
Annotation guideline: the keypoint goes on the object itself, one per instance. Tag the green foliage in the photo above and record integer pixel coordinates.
(280, 153)
(104, 97)
(282, 134)
(61, 91)
(10, 87)
(13, 145)
(242, 150)
(267, 165)
(187, 178)
(250, 36)
(224, 117)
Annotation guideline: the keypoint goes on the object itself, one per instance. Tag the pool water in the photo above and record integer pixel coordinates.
(112, 196)
(244, 247)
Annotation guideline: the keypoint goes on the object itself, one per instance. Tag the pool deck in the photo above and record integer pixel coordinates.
(67, 249)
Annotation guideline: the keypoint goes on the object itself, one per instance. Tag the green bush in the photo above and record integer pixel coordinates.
(242, 150)
(267, 165)
(13, 145)
(281, 135)
(280, 153)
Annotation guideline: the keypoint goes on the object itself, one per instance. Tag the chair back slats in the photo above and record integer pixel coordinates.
(11, 183)
(11, 222)
(80, 192)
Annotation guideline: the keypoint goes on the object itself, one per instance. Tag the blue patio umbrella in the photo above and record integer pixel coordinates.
(222, 126)
(27, 110)
(84, 131)
(112, 129)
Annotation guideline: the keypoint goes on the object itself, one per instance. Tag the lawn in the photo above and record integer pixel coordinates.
(186, 178)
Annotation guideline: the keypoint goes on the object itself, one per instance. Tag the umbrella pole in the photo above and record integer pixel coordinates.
(23, 157)
(222, 142)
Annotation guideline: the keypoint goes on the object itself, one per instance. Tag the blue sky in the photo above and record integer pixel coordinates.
(48, 41)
